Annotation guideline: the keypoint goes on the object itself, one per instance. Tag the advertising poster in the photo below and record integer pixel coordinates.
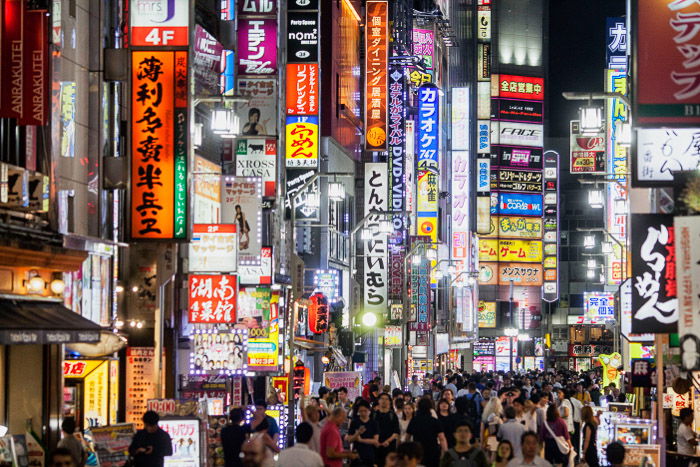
(257, 46)
(140, 382)
(258, 158)
(376, 80)
(517, 204)
(259, 114)
(212, 298)
(241, 204)
(258, 312)
(654, 296)
(642, 455)
(599, 307)
(516, 157)
(302, 88)
(185, 436)
(393, 336)
(219, 353)
(487, 314)
(484, 364)
(302, 141)
(687, 233)
(660, 152)
(587, 151)
(213, 248)
(351, 380)
(112, 443)
(485, 346)
(376, 258)
(262, 274)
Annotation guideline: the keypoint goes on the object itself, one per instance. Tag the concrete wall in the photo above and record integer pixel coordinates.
(24, 387)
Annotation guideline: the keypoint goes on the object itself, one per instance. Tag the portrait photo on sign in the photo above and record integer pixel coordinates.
(219, 353)
(690, 352)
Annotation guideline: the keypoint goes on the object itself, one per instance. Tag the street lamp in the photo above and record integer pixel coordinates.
(336, 191)
(591, 119)
(606, 248)
(431, 254)
(596, 198)
(225, 122)
(588, 242)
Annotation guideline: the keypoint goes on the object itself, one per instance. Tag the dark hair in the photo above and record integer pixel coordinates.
(471, 386)
(687, 411)
(399, 404)
(535, 398)
(498, 456)
(322, 391)
(425, 404)
(236, 415)
(396, 392)
(615, 452)
(384, 394)
(552, 413)
(151, 418)
(304, 432)
(520, 400)
(527, 434)
(403, 415)
(443, 401)
(373, 388)
(59, 452)
(260, 403)
(410, 450)
(68, 425)
(463, 422)
(343, 389)
(253, 111)
(510, 412)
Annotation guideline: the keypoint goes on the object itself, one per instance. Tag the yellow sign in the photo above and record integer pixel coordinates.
(520, 251)
(96, 388)
(610, 364)
(302, 141)
(488, 249)
(515, 227)
(487, 314)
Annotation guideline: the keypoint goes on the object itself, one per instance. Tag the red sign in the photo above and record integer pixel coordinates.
(12, 60)
(517, 87)
(318, 313)
(667, 72)
(302, 88)
(376, 66)
(213, 298)
(35, 69)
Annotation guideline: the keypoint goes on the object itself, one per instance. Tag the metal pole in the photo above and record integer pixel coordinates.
(291, 402)
(510, 308)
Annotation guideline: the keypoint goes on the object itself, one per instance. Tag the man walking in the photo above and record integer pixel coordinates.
(150, 445)
(300, 455)
(528, 456)
(331, 444)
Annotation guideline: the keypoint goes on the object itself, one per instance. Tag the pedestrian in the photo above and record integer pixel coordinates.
(589, 451)
(428, 432)
(410, 454)
(61, 457)
(464, 453)
(511, 430)
(448, 421)
(312, 416)
(615, 454)
(343, 400)
(260, 415)
(71, 442)
(364, 436)
(366, 388)
(407, 413)
(555, 435)
(504, 454)
(388, 428)
(261, 447)
(233, 436)
(332, 450)
(528, 456)
(300, 455)
(686, 438)
(150, 445)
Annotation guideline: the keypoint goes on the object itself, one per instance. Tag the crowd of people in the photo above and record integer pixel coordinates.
(476, 419)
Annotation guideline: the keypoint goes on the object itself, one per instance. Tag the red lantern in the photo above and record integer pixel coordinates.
(301, 379)
(318, 313)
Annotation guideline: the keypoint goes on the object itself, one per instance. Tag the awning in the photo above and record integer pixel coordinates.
(43, 322)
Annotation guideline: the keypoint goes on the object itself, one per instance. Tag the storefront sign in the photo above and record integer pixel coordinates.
(660, 152)
(302, 141)
(517, 110)
(212, 298)
(318, 313)
(159, 146)
(653, 252)
(599, 307)
(302, 36)
(257, 46)
(428, 127)
(518, 180)
(159, 23)
(503, 346)
(517, 87)
(520, 158)
(350, 380)
(140, 381)
(587, 151)
(483, 183)
(517, 134)
(241, 204)
(258, 158)
(304, 207)
(516, 227)
(302, 88)
(667, 90)
(487, 314)
(587, 350)
(518, 204)
(424, 47)
(397, 151)
(461, 213)
(550, 289)
(420, 294)
(328, 283)
(393, 336)
(257, 7)
(687, 233)
(263, 348)
(484, 346)
(427, 196)
(12, 93)
(262, 274)
(483, 100)
(484, 58)
(261, 108)
(375, 260)
(528, 251)
(484, 23)
(219, 353)
(35, 61)
(616, 50)
(206, 66)
(213, 248)
(376, 67)
(484, 143)
(460, 119)
(520, 274)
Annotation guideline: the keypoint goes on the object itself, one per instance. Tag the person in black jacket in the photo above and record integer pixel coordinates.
(151, 444)
(232, 438)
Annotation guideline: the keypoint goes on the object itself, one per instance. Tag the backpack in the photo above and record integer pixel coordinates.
(471, 409)
(455, 460)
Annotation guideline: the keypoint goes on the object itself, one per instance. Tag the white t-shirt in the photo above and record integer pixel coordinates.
(569, 419)
(578, 406)
(685, 434)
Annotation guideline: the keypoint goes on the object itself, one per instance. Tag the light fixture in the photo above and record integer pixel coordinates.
(451, 269)
(437, 274)
(590, 274)
(225, 122)
(590, 119)
(602, 278)
(57, 286)
(119, 289)
(588, 241)
(416, 260)
(197, 136)
(369, 319)
(135, 288)
(313, 200)
(510, 332)
(325, 360)
(591, 264)
(431, 254)
(366, 234)
(132, 323)
(35, 284)
(119, 324)
(385, 227)
(139, 324)
(595, 198)
(606, 248)
(336, 191)
(623, 134)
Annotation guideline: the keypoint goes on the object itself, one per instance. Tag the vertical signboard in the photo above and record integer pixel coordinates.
(460, 119)
(654, 296)
(375, 249)
(11, 94)
(550, 263)
(35, 63)
(376, 66)
(159, 23)
(587, 151)
(257, 46)
(397, 151)
(687, 233)
(159, 145)
(428, 160)
(302, 88)
(302, 141)
(140, 377)
(212, 298)
(423, 47)
(241, 204)
(616, 42)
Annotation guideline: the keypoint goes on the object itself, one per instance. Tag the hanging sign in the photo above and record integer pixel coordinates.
(159, 23)
(212, 298)
(376, 67)
(318, 313)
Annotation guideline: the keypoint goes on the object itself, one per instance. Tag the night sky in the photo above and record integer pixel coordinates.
(576, 54)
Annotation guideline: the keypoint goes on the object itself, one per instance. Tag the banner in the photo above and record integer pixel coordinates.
(517, 134)
(350, 380)
(35, 71)
(376, 67)
(375, 249)
(587, 151)
(257, 46)
(660, 152)
(213, 248)
(687, 233)
(654, 297)
(258, 158)
(12, 97)
(159, 23)
(212, 298)
(261, 108)
(516, 157)
(241, 204)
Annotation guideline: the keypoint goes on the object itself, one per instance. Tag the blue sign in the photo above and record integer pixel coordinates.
(428, 126)
(518, 204)
(616, 43)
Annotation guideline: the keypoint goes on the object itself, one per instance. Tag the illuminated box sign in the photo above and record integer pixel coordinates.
(302, 4)
(666, 87)
(420, 293)
(517, 110)
(484, 23)
(520, 180)
(257, 46)
(587, 151)
(526, 251)
(484, 127)
(483, 167)
(159, 23)
(257, 7)
(302, 36)
(599, 307)
(518, 204)
(222, 353)
(376, 66)
(616, 50)
(35, 61)
(258, 158)
(424, 47)
(428, 127)
(517, 134)
(397, 152)
(515, 227)
(260, 111)
(484, 347)
(254, 275)
(484, 57)
(302, 141)
(516, 157)
(517, 87)
(375, 249)
(241, 204)
(503, 273)
(213, 248)
(550, 288)
(487, 314)
(212, 298)
(302, 89)
(159, 145)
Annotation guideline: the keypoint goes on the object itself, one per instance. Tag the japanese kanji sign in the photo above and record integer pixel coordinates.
(302, 88)
(428, 127)
(375, 249)
(616, 43)
(687, 232)
(258, 158)
(257, 7)
(376, 67)
(423, 47)
(212, 298)
(515, 227)
(517, 87)
(660, 152)
(666, 72)
(526, 251)
(257, 46)
(159, 145)
(654, 294)
(397, 151)
(487, 314)
(302, 141)
(599, 307)
(213, 248)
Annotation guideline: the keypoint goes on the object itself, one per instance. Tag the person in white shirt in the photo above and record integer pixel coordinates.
(686, 438)
(415, 388)
(566, 410)
(300, 455)
(511, 430)
(528, 456)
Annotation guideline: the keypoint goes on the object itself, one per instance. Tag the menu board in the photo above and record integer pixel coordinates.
(185, 435)
(140, 381)
(112, 443)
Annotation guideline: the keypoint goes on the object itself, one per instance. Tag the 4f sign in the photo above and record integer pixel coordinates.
(159, 23)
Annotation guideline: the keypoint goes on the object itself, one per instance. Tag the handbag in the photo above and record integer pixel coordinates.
(562, 444)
